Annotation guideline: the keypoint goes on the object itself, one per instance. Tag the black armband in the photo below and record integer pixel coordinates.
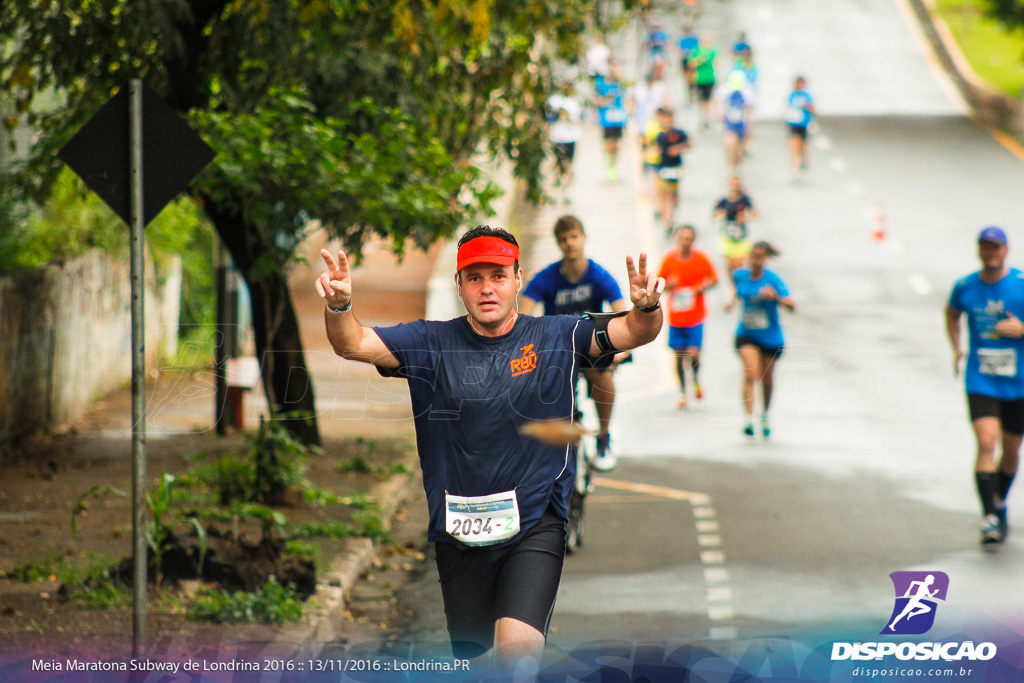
(601, 321)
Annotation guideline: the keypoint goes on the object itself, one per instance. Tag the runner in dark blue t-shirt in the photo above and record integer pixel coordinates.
(497, 501)
(574, 286)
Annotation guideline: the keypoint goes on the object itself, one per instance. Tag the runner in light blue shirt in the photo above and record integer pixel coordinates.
(759, 339)
(993, 301)
(612, 116)
(799, 115)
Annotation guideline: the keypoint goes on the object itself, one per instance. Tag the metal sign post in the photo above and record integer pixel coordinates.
(137, 189)
(138, 309)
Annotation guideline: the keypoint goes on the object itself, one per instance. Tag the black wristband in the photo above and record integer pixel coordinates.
(650, 309)
(344, 309)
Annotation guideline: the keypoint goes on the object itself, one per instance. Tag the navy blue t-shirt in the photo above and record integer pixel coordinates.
(561, 297)
(471, 394)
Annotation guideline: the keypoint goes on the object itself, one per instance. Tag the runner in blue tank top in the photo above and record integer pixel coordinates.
(993, 301)
(497, 500)
(759, 340)
(573, 286)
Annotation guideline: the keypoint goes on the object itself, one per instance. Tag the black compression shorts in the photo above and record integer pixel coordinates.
(1010, 413)
(799, 131)
(482, 585)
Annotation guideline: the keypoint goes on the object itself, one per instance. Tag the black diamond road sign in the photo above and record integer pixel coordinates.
(172, 154)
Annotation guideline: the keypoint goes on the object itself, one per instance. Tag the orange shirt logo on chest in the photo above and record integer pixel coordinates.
(525, 363)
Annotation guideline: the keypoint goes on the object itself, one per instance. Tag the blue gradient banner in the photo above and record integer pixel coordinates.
(986, 650)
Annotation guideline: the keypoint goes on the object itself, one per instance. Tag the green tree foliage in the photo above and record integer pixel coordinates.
(73, 220)
(373, 117)
(1009, 12)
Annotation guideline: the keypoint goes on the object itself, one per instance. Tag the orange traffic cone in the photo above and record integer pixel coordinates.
(878, 221)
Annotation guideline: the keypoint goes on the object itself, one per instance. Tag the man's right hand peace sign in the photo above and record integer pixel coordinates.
(335, 284)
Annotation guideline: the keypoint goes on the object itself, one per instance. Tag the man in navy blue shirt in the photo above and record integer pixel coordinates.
(574, 286)
(497, 501)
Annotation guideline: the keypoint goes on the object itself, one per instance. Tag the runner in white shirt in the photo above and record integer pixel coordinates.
(565, 112)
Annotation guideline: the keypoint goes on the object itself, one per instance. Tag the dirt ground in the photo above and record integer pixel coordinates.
(54, 475)
(38, 495)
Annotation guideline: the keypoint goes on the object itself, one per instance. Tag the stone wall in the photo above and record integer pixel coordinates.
(65, 338)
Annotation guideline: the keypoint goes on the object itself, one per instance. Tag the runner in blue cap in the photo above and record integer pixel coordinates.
(993, 301)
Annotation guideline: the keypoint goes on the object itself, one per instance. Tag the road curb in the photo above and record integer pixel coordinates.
(325, 624)
(989, 107)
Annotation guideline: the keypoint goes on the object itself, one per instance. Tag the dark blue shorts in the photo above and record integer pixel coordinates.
(685, 337)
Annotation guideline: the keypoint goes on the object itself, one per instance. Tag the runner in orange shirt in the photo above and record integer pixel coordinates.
(688, 273)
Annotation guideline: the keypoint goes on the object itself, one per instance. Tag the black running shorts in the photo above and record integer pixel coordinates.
(1010, 413)
(612, 133)
(482, 585)
(705, 90)
(774, 351)
(564, 153)
(799, 131)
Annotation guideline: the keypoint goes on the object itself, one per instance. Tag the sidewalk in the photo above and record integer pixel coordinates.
(37, 495)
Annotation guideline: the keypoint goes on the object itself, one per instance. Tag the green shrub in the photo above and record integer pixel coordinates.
(279, 461)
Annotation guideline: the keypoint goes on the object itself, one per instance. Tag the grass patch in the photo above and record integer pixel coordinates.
(994, 53)
(99, 591)
(86, 580)
(367, 524)
(274, 604)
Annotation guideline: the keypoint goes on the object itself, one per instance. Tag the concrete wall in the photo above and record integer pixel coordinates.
(65, 338)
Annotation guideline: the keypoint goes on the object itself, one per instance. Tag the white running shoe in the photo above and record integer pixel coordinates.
(991, 533)
(605, 460)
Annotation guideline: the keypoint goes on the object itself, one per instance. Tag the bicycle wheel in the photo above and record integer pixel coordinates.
(577, 509)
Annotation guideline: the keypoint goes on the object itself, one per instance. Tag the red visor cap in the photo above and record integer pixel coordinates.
(487, 250)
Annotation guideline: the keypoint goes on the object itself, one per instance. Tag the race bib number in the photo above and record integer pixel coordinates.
(615, 115)
(684, 298)
(670, 173)
(795, 116)
(735, 231)
(734, 115)
(998, 362)
(482, 520)
(755, 319)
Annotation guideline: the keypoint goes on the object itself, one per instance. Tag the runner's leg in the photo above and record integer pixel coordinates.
(602, 390)
(749, 356)
(694, 353)
(766, 373)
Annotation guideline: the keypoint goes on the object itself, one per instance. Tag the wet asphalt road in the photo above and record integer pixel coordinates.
(868, 470)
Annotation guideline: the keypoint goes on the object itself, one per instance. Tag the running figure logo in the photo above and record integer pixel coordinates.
(916, 596)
